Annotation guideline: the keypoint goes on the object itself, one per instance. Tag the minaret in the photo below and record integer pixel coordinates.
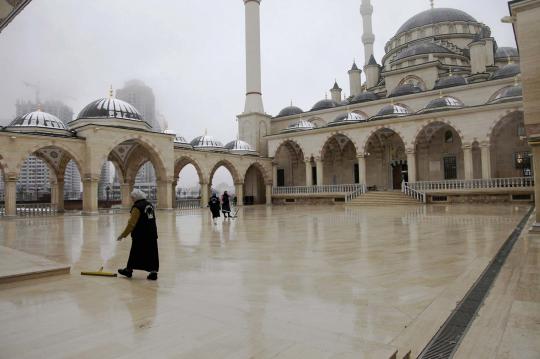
(366, 10)
(335, 91)
(254, 101)
(253, 123)
(355, 80)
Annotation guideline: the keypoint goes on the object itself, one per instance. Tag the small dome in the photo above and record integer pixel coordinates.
(289, 111)
(348, 118)
(434, 16)
(405, 89)
(425, 47)
(240, 148)
(301, 125)
(506, 94)
(364, 97)
(180, 139)
(442, 104)
(505, 52)
(449, 81)
(110, 108)
(391, 110)
(206, 142)
(509, 70)
(324, 104)
(38, 119)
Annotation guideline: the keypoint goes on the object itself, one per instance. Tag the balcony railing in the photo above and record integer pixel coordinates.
(514, 182)
(188, 203)
(324, 189)
(413, 193)
(36, 209)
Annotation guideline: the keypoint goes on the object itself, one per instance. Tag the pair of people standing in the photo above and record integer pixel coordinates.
(215, 206)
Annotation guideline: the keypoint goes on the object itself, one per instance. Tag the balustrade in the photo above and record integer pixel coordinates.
(513, 182)
(36, 209)
(190, 203)
(299, 190)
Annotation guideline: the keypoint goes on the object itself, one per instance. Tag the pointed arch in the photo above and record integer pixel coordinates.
(237, 178)
(364, 144)
(266, 176)
(432, 122)
(185, 160)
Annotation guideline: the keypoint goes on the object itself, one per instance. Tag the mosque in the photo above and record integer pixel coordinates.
(438, 118)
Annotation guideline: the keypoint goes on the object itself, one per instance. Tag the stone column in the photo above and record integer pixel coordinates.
(204, 194)
(309, 178)
(268, 194)
(536, 165)
(467, 162)
(411, 164)
(486, 160)
(60, 196)
(239, 189)
(54, 192)
(362, 169)
(173, 194)
(90, 196)
(10, 197)
(320, 172)
(125, 190)
(274, 174)
(164, 196)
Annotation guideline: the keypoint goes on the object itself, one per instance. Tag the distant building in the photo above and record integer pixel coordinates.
(141, 96)
(33, 180)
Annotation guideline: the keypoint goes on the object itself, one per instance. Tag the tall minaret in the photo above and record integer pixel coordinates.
(366, 10)
(253, 123)
(254, 101)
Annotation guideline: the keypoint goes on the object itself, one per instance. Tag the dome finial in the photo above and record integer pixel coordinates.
(510, 61)
(111, 92)
(39, 107)
(325, 96)
(432, 3)
(440, 94)
(291, 102)
(516, 79)
(206, 132)
(450, 72)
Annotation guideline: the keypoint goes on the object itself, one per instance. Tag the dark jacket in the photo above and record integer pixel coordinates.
(144, 248)
(215, 206)
(226, 204)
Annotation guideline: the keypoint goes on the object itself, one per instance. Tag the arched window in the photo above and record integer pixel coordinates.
(413, 80)
(448, 137)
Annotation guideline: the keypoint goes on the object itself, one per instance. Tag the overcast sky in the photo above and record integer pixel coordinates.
(191, 52)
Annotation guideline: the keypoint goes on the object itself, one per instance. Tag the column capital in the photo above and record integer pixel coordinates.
(410, 151)
(361, 155)
(318, 159)
(466, 146)
(485, 145)
(238, 183)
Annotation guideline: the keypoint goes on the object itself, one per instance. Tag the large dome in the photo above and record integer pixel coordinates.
(324, 104)
(433, 16)
(506, 71)
(110, 108)
(420, 48)
(38, 119)
(289, 111)
(240, 147)
(206, 142)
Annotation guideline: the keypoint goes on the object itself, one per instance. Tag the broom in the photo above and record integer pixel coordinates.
(100, 273)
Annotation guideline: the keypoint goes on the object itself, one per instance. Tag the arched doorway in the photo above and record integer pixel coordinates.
(254, 185)
(339, 161)
(188, 184)
(439, 153)
(510, 151)
(386, 160)
(289, 159)
(224, 177)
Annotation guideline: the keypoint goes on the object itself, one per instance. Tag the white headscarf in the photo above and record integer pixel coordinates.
(137, 195)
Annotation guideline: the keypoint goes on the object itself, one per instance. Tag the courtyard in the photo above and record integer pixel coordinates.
(277, 282)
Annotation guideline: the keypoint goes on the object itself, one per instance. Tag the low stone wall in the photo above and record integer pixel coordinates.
(481, 198)
(308, 200)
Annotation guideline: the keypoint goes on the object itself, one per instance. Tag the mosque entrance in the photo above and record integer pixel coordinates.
(399, 173)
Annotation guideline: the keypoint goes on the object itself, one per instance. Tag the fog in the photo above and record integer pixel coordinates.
(191, 52)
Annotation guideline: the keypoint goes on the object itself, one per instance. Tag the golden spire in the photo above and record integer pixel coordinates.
(510, 61)
(516, 79)
(450, 72)
(39, 107)
(111, 92)
(291, 102)
(206, 132)
(440, 94)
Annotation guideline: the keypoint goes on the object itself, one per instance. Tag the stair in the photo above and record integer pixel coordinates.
(379, 198)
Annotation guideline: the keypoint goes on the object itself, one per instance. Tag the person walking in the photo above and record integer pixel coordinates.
(226, 205)
(215, 206)
(144, 248)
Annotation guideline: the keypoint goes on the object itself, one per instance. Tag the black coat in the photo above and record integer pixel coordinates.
(144, 248)
(226, 204)
(214, 206)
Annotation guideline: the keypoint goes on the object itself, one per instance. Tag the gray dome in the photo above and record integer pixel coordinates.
(301, 125)
(506, 94)
(324, 104)
(405, 89)
(180, 139)
(289, 111)
(240, 148)
(348, 118)
(206, 142)
(449, 81)
(425, 47)
(505, 52)
(38, 119)
(364, 96)
(392, 110)
(110, 108)
(442, 104)
(433, 16)
(509, 70)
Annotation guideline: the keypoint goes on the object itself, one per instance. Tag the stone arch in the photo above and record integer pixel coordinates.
(434, 121)
(290, 159)
(500, 121)
(185, 160)
(338, 133)
(288, 140)
(229, 166)
(255, 182)
(364, 144)
(339, 159)
(53, 143)
(153, 152)
(413, 80)
(266, 176)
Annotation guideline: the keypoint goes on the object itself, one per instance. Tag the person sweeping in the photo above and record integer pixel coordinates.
(144, 248)
(215, 207)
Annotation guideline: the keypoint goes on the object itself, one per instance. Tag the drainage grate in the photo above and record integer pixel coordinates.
(446, 341)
